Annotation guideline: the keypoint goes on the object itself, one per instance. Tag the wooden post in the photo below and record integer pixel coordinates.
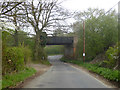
(74, 50)
(83, 41)
(1, 57)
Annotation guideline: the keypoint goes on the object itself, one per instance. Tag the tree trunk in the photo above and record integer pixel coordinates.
(39, 53)
(16, 32)
(16, 38)
(37, 45)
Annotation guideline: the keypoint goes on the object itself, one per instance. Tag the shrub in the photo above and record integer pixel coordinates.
(112, 57)
(7, 39)
(13, 60)
(27, 54)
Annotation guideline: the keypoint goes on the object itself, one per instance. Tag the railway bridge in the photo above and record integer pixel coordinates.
(68, 42)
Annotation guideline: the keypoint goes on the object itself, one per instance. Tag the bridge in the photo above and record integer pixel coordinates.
(68, 42)
(59, 40)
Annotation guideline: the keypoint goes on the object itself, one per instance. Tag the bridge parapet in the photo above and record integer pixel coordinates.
(60, 40)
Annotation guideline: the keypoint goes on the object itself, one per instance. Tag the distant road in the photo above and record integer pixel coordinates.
(62, 75)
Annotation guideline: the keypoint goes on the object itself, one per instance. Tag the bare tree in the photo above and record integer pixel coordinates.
(8, 6)
(14, 13)
(43, 15)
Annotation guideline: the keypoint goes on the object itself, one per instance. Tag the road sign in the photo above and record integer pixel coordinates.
(83, 54)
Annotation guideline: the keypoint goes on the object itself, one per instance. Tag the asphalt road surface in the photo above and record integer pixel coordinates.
(62, 75)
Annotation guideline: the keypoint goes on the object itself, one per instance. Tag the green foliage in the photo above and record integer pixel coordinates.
(54, 50)
(109, 74)
(100, 32)
(43, 39)
(42, 54)
(12, 79)
(7, 39)
(112, 56)
(45, 62)
(13, 60)
(29, 43)
(24, 40)
(27, 54)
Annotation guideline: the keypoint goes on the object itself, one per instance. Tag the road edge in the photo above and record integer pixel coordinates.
(29, 79)
(99, 78)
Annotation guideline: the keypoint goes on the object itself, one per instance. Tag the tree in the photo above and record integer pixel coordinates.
(100, 31)
(58, 32)
(43, 16)
(8, 6)
(13, 12)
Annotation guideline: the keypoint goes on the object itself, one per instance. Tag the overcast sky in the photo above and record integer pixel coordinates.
(81, 5)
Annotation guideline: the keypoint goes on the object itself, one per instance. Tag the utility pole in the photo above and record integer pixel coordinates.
(83, 41)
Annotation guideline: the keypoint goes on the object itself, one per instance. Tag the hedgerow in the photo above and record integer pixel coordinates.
(13, 60)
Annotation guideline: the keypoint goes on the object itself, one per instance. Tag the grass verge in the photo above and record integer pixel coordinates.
(54, 49)
(112, 75)
(45, 62)
(13, 79)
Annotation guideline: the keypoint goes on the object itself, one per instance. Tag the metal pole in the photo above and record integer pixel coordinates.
(83, 41)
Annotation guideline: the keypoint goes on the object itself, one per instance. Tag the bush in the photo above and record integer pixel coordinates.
(13, 60)
(27, 54)
(112, 57)
(7, 39)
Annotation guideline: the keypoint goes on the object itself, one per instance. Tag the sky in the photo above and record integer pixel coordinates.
(81, 5)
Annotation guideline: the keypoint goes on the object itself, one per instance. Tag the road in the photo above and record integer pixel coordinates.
(62, 75)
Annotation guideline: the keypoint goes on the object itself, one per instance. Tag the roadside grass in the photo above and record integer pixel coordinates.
(0, 84)
(112, 75)
(12, 79)
(54, 49)
(45, 62)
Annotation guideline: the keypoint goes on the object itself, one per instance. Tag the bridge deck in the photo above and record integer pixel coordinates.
(59, 40)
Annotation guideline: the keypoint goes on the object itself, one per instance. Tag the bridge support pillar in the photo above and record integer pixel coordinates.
(68, 51)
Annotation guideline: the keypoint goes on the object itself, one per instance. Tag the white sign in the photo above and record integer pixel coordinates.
(83, 54)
